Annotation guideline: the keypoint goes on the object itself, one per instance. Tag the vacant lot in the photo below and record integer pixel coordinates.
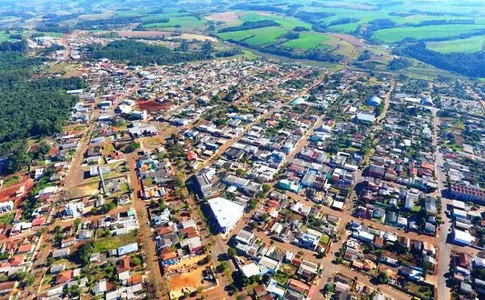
(469, 45)
(114, 242)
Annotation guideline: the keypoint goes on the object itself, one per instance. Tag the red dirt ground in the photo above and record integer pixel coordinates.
(10, 192)
(152, 105)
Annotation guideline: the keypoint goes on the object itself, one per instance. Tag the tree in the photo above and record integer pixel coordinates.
(224, 265)
(382, 278)
(231, 252)
(85, 251)
(77, 222)
(136, 260)
(184, 46)
(179, 180)
(239, 172)
(29, 281)
(74, 291)
(266, 188)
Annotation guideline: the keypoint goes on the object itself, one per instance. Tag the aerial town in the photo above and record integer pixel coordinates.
(248, 178)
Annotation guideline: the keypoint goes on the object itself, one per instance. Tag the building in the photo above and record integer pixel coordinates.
(374, 101)
(365, 117)
(139, 114)
(226, 213)
(462, 237)
(204, 185)
(467, 193)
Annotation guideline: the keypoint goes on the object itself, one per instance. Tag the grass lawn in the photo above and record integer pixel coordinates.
(469, 45)
(308, 40)
(114, 242)
(153, 142)
(11, 181)
(423, 291)
(281, 278)
(7, 219)
(393, 35)
(325, 239)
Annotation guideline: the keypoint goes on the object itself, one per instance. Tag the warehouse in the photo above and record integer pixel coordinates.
(226, 212)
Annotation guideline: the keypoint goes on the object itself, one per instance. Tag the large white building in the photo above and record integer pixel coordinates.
(226, 212)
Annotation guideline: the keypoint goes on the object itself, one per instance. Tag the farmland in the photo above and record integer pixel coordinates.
(255, 36)
(446, 26)
(392, 35)
(308, 40)
(186, 23)
(468, 45)
(264, 35)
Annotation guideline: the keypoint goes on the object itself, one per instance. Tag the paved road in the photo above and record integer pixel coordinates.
(156, 285)
(444, 248)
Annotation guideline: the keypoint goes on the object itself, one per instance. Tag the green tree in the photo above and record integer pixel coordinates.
(231, 252)
(382, 278)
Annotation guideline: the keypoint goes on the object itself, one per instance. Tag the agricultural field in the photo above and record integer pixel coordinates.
(4, 37)
(392, 35)
(308, 40)
(185, 23)
(469, 45)
(260, 36)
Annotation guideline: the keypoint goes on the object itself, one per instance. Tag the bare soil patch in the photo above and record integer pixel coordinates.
(152, 105)
(198, 37)
(225, 17)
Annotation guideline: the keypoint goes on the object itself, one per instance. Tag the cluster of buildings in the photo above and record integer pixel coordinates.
(405, 261)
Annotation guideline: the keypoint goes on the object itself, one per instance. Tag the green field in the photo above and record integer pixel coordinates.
(308, 40)
(393, 35)
(169, 15)
(469, 45)
(257, 36)
(184, 23)
(4, 37)
(263, 35)
(347, 28)
(285, 22)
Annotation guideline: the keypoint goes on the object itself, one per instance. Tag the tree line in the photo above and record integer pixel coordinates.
(468, 64)
(250, 25)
